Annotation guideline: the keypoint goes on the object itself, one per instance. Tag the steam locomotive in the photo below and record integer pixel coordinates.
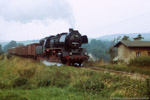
(65, 48)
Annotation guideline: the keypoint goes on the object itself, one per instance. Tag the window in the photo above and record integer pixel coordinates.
(148, 53)
(62, 38)
(138, 54)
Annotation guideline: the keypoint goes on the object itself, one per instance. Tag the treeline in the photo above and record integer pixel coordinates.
(1, 49)
(100, 49)
(9, 45)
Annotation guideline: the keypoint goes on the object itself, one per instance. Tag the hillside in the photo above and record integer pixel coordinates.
(3, 43)
(27, 79)
(131, 35)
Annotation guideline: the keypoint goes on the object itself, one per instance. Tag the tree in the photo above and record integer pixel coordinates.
(140, 37)
(112, 52)
(117, 39)
(1, 49)
(126, 38)
(98, 48)
(9, 45)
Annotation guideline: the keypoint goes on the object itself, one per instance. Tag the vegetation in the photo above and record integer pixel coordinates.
(126, 38)
(121, 67)
(1, 49)
(27, 79)
(140, 37)
(140, 61)
(11, 44)
(99, 49)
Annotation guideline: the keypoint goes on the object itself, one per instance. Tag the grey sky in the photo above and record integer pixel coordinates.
(35, 19)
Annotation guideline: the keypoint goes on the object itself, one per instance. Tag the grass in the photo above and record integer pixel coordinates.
(27, 79)
(140, 61)
(122, 67)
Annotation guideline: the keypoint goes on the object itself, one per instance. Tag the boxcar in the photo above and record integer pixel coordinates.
(30, 49)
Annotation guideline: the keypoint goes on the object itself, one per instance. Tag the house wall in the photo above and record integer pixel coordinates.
(125, 53)
(143, 51)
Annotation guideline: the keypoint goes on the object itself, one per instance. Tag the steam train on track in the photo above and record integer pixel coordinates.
(65, 48)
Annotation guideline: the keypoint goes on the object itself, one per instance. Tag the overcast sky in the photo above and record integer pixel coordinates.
(35, 19)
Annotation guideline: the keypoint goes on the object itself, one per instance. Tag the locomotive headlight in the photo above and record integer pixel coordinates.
(59, 54)
(70, 53)
(85, 53)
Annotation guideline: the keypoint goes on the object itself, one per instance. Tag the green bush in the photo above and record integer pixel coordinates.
(27, 73)
(2, 57)
(1, 53)
(18, 82)
(12, 97)
(93, 85)
(61, 79)
(3, 86)
(9, 56)
(44, 83)
(140, 61)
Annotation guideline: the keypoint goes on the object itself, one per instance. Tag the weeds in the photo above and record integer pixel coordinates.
(148, 88)
(8, 56)
(27, 73)
(43, 83)
(12, 97)
(140, 61)
(2, 57)
(61, 79)
(18, 82)
(93, 85)
(4, 86)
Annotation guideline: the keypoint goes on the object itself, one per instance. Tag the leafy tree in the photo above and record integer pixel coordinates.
(98, 48)
(11, 44)
(117, 39)
(112, 52)
(140, 37)
(1, 49)
(126, 38)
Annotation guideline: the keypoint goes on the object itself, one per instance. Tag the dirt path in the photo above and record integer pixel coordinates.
(134, 76)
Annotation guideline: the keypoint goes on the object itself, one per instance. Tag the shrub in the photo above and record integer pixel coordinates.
(9, 56)
(140, 61)
(18, 82)
(44, 83)
(93, 85)
(27, 73)
(54, 78)
(2, 57)
(147, 88)
(1, 53)
(61, 79)
(3, 86)
(12, 97)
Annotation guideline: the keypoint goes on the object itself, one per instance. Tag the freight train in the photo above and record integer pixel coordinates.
(64, 47)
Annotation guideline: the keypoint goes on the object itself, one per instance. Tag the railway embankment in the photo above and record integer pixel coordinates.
(28, 79)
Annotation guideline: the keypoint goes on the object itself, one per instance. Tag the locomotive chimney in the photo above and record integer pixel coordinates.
(70, 30)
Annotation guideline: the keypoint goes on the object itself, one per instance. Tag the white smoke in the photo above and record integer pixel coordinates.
(47, 63)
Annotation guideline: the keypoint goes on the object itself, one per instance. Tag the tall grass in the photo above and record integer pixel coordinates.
(27, 79)
(122, 67)
(140, 61)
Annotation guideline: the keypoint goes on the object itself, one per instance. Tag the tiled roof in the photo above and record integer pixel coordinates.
(134, 43)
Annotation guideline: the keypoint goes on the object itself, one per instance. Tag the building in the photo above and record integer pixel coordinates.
(130, 49)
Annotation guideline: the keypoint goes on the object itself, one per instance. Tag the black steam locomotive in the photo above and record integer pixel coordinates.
(64, 47)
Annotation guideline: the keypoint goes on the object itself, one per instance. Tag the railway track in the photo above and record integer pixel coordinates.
(131, 75)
